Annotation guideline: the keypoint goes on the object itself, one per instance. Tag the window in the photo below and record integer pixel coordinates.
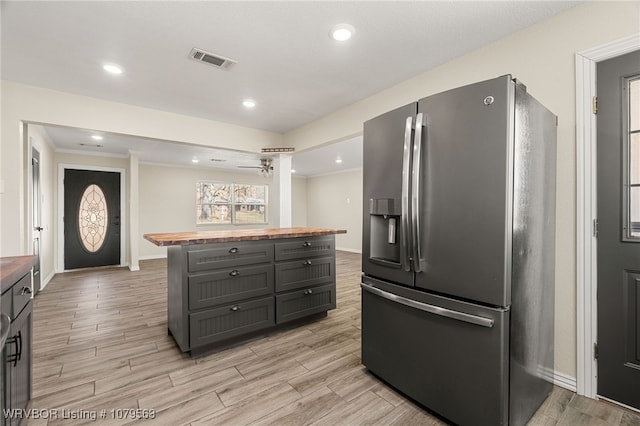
(92, 218)
(230, 203)
(631, 167)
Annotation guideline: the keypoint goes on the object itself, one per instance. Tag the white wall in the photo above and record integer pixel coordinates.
(298, 201)
(168, 196)
(335, 201)
(543, 57)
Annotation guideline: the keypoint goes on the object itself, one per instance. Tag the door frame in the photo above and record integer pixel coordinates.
(36, 213)
(123, 208)
(586, 208)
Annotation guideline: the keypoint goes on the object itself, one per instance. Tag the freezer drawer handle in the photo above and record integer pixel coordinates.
(437, 310)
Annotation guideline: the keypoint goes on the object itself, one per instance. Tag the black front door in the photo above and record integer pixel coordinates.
(91, 218)
(618, 135)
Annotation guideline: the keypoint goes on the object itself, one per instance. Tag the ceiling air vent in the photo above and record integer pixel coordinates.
(210, 58)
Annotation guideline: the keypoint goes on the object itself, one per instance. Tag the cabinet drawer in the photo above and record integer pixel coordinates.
(21, 295)
(229, 285)
(229, 321)
(301, 303)
(229, 255)
(305, 273)
(304, 247)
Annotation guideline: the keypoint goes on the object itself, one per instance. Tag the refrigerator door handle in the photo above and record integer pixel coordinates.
(415, 194)
(433, 309)
(406, 181)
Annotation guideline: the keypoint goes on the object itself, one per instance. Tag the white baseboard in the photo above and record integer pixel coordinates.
(564, 381)
(153, 256)
(350, 250)
(48, 278)
(134, 268)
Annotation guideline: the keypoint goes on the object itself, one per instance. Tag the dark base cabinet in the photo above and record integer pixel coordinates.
(16, 355)
(221, 292)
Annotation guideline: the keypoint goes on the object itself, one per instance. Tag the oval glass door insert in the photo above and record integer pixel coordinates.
(92, 218)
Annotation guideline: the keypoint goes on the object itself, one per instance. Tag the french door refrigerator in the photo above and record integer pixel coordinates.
(459, 251)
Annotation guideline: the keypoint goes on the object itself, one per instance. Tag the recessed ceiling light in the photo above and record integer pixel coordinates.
(96, 137)
(249, 103)
(338, 160)
(342, 32)
(293, 170)
(112, 68)
(194, 160)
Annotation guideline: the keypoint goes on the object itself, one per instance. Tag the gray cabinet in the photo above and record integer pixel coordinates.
(223, 292)
(301, 303)
(305, 277)
(229, 285)
(224, 255)
(304, 272)
(213, 325)
(305, 247)
(16, 355)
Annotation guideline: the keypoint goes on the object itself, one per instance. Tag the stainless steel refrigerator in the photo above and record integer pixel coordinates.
(459, 251)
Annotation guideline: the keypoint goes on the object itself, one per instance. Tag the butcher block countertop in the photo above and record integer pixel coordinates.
(207, 237)
(14, 268)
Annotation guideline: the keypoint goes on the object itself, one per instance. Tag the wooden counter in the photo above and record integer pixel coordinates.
(228, 286)
(206, 237)
(14, 268)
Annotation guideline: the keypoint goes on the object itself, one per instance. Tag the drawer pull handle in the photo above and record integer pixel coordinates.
(307, 292)
(13, 358)
(233, 250)
(19, 346)
(306, 244)
(306, 262)
(25, 291)
(234, 273)
(235, 308)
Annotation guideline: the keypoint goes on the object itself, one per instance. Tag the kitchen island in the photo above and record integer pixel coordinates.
(228, 286)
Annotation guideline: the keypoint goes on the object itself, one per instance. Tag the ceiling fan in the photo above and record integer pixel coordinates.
(265, 168)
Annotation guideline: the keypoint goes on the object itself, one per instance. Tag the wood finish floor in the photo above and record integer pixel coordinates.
(101, 343)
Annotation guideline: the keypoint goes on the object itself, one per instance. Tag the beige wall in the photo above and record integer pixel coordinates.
(543, 57)
(299, 201)
(167, 201)
(21, 103)
(335, 201)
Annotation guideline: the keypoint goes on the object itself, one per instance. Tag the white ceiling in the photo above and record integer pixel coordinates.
(313, 162)
(285, 58)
